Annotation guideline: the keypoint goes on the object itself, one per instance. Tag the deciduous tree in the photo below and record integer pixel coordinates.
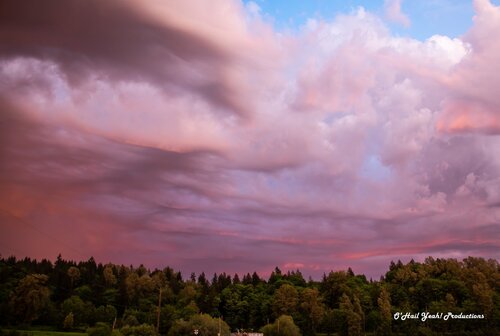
(30, 297)
(285, 300)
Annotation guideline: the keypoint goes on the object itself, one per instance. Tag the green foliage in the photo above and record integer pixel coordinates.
(140, 330)
(100, 329)
(30, 297)
(69, 321)
(105, 314)
(130, 319)
(205, 324)
(74, 275)
(39, 333)
(334, 286)
(244, 306)
(83, 312)
(5, 332)
(109, 276)
(283, 326)
(342, 303)
(110, 296)
(384, 305)
(285, 300)
(353, 314)
(84, 292)
(312, 309)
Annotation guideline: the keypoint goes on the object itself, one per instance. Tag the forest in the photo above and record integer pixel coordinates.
(434, 297)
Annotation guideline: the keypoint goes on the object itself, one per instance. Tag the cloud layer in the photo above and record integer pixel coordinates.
(180, 134)
(394, 13)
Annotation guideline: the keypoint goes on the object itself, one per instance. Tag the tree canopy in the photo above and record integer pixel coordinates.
(71, 295)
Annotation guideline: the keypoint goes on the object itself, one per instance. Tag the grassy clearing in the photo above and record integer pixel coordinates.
(44, 333)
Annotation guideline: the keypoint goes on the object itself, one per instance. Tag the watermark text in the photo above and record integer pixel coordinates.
(424, 316)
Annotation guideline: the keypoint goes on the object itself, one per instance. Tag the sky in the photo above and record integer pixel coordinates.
(238, 136)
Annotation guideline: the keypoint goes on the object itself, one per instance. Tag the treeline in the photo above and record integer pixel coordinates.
(79, 295)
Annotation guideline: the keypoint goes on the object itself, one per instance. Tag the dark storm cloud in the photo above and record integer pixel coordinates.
(117, 40)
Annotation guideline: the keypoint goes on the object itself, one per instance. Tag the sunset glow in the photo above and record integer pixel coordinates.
(227, 137)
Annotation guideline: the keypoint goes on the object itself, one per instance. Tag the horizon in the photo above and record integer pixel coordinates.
(250, 135)
(209, 276)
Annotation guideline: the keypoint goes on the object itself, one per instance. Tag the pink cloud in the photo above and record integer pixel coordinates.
(394, 13)
(201, 138)
(473, 105)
